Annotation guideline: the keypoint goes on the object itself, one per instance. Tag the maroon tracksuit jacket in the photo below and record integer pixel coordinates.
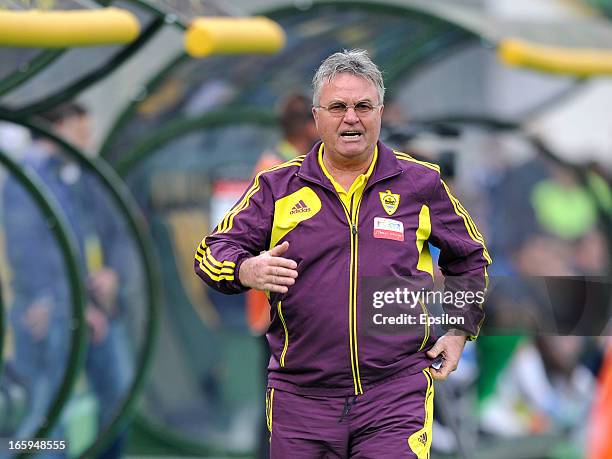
(317, 339)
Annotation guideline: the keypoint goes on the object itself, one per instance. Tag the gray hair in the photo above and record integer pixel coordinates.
(356, 62)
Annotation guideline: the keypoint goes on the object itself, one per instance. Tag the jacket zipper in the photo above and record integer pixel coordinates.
(352, 216)
(353, 219)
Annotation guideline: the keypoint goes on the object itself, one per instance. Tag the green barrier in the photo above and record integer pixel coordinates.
(21, 75)
(89, 79)
(169, 18)
(138, 228)
(171, 131)
(128, 112)
(61, 231)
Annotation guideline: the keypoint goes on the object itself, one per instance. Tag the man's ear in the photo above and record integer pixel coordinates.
(315, 115)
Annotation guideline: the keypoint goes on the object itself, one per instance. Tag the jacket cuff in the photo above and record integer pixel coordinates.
(239, 262)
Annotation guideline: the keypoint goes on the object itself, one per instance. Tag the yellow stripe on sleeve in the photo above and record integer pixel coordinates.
(468, 222)
(227, 221)
(475, 235)
(407, 157)
(222, 271)
(216, 278)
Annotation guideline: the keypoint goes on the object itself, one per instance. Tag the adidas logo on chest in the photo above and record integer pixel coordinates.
(300, 207)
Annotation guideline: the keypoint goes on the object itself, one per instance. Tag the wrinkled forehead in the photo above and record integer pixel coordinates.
(349, 87)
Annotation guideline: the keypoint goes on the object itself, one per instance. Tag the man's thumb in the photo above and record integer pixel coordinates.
(279, 249)
(434, 351)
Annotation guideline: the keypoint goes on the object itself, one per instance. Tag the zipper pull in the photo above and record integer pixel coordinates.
(353, 229)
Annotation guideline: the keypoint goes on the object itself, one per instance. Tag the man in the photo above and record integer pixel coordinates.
(40, 310)
(335, 390)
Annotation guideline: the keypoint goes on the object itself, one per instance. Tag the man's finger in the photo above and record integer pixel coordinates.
(278, 280)
(279, 249)
(283, 262)
(440, 375)
(282, 272)
(435, 351)
(275, 288)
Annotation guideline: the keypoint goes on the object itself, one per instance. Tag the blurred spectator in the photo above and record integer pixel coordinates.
(299, 132)
(40, 313)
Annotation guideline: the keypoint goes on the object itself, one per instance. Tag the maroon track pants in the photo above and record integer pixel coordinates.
(390, 420)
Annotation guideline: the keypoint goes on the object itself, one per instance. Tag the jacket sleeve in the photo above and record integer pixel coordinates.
(243, 232)
(463, 257)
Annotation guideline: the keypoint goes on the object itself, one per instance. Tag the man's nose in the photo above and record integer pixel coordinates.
(351, 115)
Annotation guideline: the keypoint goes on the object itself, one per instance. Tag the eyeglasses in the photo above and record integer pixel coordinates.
(340, 108)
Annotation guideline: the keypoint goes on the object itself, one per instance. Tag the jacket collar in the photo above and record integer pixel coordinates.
(387, 165)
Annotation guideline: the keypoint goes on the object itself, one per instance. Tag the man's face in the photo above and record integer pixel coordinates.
(351, 135)
(76, 130)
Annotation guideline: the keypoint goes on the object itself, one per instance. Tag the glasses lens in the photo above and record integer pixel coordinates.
(337, 108)
(363, 107)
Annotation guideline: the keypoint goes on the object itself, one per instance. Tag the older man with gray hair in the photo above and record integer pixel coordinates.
(313, 233)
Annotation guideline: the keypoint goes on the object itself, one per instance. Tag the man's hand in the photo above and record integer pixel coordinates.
(37, 318)
(449, 347)
(98, 323)
(269, 271)
(103, 287)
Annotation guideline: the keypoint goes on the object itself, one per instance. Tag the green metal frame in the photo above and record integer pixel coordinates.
(155, 81)
(88, 79)
(37, 64)
(127, 113)
(392, 9)
(168, 16)
(62, 233)
(40, 62)
(421, 52)
(406, 61)
(185, 126)
(138, 227)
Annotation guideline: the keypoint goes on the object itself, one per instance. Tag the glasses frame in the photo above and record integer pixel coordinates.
(347, 106)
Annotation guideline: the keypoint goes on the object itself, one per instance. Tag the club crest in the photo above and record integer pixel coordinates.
(389, 201)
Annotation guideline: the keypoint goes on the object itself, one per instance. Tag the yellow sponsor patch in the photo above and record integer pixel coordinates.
(390, 201)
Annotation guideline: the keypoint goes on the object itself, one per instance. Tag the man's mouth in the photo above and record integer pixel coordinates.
(351, 134)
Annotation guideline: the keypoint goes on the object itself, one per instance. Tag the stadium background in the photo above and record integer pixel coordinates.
(512, 98)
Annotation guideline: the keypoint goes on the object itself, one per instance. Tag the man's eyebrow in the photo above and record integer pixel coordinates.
(367, 99)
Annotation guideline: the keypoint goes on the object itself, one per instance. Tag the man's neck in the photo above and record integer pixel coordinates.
(345, 172)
